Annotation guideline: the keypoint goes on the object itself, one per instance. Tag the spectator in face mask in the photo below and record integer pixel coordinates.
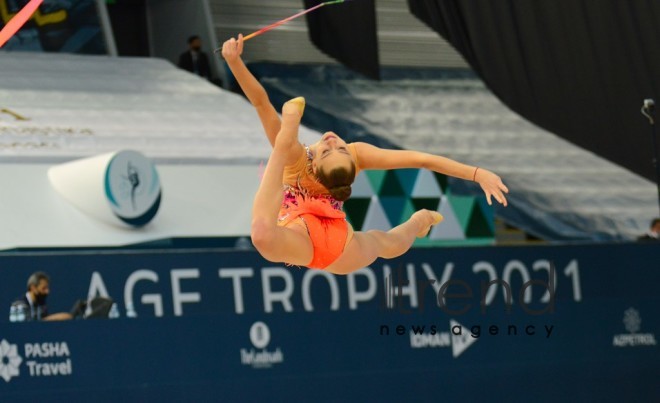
(194, 60)
(33, 304)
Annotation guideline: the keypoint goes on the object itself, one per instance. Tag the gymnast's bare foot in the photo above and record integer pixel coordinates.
(292, 112)
(295, 107)
(428, 219)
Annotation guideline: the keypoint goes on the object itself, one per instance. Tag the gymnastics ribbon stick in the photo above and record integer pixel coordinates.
(18, 21)
(284, 21)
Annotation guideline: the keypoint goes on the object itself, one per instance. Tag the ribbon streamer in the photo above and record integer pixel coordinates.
(284, 21)
(18, 21)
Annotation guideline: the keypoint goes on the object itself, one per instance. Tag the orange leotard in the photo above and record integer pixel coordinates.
(322, 215)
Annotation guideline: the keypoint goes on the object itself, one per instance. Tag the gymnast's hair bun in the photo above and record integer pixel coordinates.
(340, 193)
(338, 181)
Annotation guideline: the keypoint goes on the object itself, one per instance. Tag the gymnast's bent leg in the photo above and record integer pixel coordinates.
(365, 247)
(275, 243)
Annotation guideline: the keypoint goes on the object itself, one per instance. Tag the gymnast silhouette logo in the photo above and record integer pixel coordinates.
(10, 360)
(133, 178)
(132, 187)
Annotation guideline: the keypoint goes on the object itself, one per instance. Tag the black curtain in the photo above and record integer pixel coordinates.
(347, 33)
(578, 68)
(129, 26)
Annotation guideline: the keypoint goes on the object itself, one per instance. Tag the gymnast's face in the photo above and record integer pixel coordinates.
(331, 152)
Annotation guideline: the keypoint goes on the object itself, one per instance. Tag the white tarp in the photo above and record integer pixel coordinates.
(88, 105)
(207, 144)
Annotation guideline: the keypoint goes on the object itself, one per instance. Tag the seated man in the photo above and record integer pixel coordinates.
(33, 304)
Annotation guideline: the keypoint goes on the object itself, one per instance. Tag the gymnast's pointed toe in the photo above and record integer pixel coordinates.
(437, 217)
(294, 106)
(434, 217)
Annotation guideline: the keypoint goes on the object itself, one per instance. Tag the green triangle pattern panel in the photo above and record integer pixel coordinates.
(449, 228)
(408, 210)
(362, 187)
(393, 207)
(356, 211)
(391, 186)
(478, 226)
(462, 206)
(426, 185)
(407, 179)
(384, 199)
(429, 203)
(443, 181)
(376, 179)
(376, 217)
(488, 212)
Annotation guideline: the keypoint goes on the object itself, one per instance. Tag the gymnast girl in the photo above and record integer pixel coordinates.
(297, 215)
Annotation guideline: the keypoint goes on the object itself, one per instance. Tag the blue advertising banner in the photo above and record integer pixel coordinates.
(548, 323)
(70, 26)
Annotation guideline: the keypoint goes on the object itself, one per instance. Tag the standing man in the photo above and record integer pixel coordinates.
(194, 60)
(33, 305)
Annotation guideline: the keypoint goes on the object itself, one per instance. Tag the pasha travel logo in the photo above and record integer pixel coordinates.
(10, 361)
(260, 356)
(41, 359)
(633, 323)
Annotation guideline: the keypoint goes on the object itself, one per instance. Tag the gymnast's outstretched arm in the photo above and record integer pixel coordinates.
(255, 92)
(372, 157)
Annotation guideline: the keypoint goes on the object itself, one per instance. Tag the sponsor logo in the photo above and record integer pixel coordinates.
(132, 187)
(41, 359)
(458, 338)
(633, 323)
(260, 356)
(10, 361)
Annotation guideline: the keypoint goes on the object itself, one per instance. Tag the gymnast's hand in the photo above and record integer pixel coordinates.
(232, 49)
(492, 185)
